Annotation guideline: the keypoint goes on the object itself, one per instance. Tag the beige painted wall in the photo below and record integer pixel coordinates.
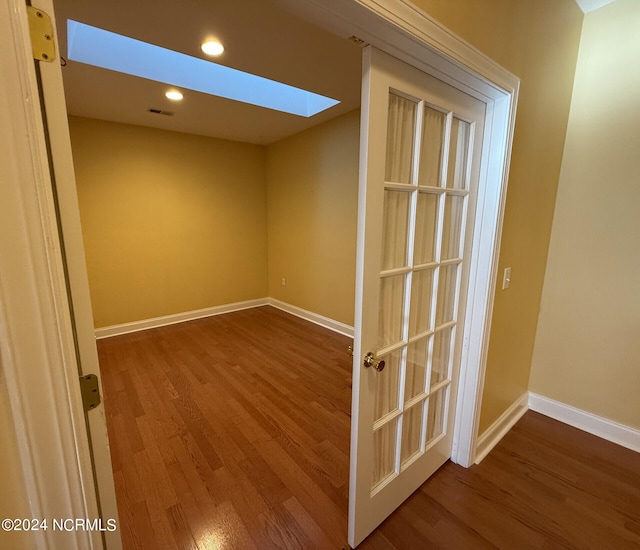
(174, 222)
(587, 351)
(312, 180)
(171, 222)
(538, 41)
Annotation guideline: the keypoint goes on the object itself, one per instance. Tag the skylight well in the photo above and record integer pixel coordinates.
(108, 50)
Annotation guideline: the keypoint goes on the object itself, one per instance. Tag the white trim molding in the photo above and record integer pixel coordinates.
(165, 320)
(155, 322)
(326, 322)
(37, 348)
(494, 434)
(620, 434)
(606, 429)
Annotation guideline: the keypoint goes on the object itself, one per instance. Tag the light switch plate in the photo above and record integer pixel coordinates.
(506, 278)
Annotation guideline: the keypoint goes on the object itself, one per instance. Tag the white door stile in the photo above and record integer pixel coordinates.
(494, 171)
(37, 347)
(76, 271)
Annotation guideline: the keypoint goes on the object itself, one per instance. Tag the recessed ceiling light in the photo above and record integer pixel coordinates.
(174, 95)
(212, 47)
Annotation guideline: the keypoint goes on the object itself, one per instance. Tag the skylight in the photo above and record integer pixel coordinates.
(108, 50)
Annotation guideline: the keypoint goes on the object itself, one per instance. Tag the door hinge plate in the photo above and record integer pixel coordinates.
(41, 30)
(90, 390)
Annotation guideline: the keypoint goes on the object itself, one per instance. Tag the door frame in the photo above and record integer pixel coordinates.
(37, 346)
(402, 30)
(40, 364)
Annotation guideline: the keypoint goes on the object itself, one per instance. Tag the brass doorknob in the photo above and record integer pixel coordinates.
(371, 361)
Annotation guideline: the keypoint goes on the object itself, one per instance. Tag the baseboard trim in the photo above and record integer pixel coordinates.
(326, 322)
(492, 436)
(146, 324)
(155, 322)
(606, 429)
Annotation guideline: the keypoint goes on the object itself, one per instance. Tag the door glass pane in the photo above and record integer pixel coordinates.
(411, 431)
(387, 385)
(452, 229)
(400, 136)
(426, 224)
(395, 225)
(414, 383)
(441, 354)
(420, 312)
(446, 294)
(391, 310)
(458, 154)
(436, 414)
(431, 148)
(384, 451)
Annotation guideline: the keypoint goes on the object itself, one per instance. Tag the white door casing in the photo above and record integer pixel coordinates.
(37, 349)
(420, 158)
(401, 29)
(75, 313)
(76, 272)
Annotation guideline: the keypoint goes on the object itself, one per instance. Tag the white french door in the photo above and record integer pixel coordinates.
(420, 157)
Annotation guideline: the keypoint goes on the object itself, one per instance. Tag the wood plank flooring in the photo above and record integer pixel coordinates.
(232, 432)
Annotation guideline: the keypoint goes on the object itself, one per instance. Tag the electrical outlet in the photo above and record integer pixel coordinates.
(284, 281)
(506, 278)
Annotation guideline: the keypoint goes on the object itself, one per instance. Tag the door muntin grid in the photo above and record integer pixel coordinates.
(426, 192)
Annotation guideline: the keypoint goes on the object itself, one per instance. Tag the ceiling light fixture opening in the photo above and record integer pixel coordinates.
(212, 47)
(174, 95)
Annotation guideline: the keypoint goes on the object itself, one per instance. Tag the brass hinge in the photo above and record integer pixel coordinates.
(41, 30)
(90, 390)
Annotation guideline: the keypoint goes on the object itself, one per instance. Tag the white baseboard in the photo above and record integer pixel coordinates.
(606, 429)
(326, 322)
(492, 436)
(126, 328)
(145, 324)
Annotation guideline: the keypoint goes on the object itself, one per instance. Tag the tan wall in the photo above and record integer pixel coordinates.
(587, 351)
(171, 222)
(538, 41)
(174, 222)
(312, 207)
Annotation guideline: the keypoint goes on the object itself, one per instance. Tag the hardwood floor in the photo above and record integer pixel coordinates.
(232, 432)
(546, 485)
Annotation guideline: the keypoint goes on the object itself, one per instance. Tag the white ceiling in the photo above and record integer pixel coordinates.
(259, 38)
(590, 5)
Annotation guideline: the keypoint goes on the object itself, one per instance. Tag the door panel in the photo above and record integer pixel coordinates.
(76, 271)
(421, 155)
